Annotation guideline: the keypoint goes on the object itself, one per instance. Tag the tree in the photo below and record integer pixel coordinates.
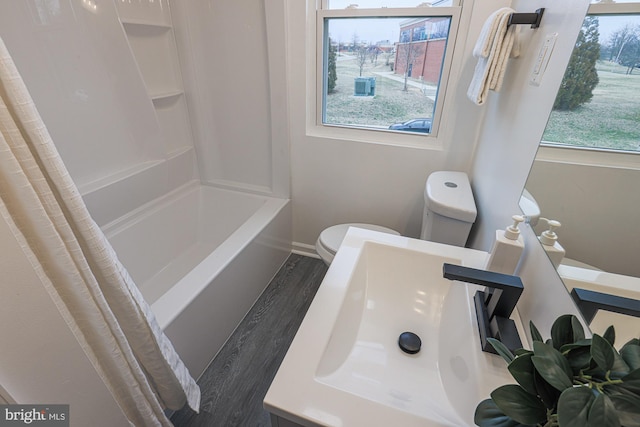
(361, 58)
(618, 40)
(581, 76)
(388, 54)
(409, 52)
(373, 54)
(628, 51)
(332, 75)
(355, 41)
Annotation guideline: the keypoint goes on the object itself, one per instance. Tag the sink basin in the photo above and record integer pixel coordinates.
(345, 367)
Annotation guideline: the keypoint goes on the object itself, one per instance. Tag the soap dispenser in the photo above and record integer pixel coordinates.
(507, 248)
(549, 240)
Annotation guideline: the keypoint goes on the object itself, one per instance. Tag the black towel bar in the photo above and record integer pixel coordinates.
(527, 18)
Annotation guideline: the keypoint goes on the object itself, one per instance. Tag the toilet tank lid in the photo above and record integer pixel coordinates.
(449, 194)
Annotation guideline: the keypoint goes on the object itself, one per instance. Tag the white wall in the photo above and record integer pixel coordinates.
(233, 66)
(336, 180)
(512, 128)
(77, 65)
(598, 208)
(40, 359)
(85, 83)
(80, 71)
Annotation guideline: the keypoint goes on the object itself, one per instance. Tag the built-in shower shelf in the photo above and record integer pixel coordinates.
(140, 23)
(150, 34)
(165, 95)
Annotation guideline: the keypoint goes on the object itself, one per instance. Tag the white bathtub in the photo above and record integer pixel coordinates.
(201, 256)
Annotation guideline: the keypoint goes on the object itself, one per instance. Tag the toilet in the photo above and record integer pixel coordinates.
(449, 213)
(449, 208)
(331, 238)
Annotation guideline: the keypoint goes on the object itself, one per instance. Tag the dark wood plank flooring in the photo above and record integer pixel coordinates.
(237, 380)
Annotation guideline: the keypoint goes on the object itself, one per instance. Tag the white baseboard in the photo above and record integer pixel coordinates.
(304, 249)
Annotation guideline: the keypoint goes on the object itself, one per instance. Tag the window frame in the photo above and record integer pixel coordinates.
(555, 151)
(316, 75)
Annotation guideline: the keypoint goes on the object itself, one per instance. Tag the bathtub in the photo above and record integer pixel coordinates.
(201, 256)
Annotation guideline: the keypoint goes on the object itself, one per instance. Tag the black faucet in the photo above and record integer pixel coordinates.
(494, 307)
(589, 302)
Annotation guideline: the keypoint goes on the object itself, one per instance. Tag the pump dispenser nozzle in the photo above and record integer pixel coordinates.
(549, 237)
(513, 232)
(549, 240)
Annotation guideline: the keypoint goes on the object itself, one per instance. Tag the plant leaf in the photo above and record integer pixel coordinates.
(519, 405)
(521, 368)
(578, 355)
(631, 355)
(620, 368)
(562, 331)
(577, 344)
(602, 352)
(629, 387)
(546, 391)
(628, 408)
(501, 349)
(535, 334)
(489, 415)
(610, 335)
(552, 366)
(574, 405)
(578, 330)
(603, 413)
(633, 375)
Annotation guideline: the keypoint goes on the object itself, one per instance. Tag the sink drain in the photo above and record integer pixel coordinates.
(409, 342)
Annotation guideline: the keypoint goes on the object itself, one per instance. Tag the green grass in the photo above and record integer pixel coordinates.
(610, 120)
(390, 104)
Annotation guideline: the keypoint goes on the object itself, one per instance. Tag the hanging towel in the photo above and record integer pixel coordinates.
(497, 42)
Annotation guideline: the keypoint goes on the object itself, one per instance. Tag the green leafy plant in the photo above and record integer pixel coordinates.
(567, 381)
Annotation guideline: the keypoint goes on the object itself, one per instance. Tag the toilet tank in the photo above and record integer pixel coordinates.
(449, 208)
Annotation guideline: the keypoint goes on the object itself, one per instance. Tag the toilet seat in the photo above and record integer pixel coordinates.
(331, 238)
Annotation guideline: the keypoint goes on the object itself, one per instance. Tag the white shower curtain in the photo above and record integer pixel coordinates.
(78, 267)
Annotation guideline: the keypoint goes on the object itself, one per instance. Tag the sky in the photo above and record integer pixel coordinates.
(374, 30)
(370, 30)
(609, 24)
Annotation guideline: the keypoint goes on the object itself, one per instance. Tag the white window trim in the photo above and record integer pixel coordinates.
(595, 156)
(314, 86)
(589, 156)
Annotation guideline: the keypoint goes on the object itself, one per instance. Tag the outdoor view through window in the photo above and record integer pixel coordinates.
(383, 73)
(598, 105)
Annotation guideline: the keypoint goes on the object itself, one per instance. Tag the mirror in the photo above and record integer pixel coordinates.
(598, 208)
(595, 193)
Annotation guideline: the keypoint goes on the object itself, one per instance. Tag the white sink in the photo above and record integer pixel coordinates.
(345, 368)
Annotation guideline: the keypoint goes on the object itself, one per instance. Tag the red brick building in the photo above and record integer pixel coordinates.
(421, 47)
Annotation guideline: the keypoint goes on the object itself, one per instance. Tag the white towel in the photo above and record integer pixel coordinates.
(497, 42)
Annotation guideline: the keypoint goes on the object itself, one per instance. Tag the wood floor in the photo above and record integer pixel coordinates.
(237, 380)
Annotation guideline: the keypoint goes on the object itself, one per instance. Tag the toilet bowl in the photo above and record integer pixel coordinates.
(331, 238)
(449, 213)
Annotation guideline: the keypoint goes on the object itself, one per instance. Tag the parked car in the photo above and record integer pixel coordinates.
(413, 125)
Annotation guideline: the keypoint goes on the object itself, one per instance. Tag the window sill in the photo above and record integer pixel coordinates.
(590, 157)
(382, 137)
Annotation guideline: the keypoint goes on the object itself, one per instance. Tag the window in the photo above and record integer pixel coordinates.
(383, 69)
(598, 105)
